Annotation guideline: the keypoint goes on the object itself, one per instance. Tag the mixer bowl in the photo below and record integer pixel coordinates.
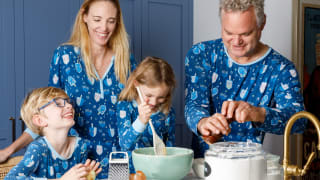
(173, 166)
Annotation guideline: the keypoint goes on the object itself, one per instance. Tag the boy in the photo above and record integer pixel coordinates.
(54, 155)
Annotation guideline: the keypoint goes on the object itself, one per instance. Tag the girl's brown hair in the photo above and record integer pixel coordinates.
(118, 42)
(151, 72)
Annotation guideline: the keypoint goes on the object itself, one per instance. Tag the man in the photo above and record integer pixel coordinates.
(237, 86)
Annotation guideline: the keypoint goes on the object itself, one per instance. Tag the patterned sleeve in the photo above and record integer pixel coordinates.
(28, 165)
(288, 100)
(171, 121)
(55, 76)
(197, 86)
(128, 136)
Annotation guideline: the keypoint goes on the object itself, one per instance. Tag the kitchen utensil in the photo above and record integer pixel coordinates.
(118, 166)
(174, 166)
(159, 146)
(235, 160)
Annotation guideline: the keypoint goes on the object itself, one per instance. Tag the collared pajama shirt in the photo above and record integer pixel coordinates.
(95, 101)
(41, 161)
(213, 77)
(134, 134)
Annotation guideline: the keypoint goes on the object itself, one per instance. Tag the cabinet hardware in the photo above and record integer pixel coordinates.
(13, 128)
(23, 125)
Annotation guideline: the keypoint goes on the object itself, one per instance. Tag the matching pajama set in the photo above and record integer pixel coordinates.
(213, 77)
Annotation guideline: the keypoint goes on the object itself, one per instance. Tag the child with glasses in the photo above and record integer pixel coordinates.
(49, 112)
(155, 80)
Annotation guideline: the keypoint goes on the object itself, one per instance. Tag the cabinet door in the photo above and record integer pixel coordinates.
(131, 12)
(167, 33)
(30, 32)
(46, 24)
(7, 88)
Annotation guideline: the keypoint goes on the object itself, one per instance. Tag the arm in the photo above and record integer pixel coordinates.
(197, 88)
(288, 101)
(18, 144)
(28, 165)
(130, 131)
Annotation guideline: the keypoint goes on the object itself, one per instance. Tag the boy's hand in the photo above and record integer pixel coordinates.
(92, 165)
(77, 172)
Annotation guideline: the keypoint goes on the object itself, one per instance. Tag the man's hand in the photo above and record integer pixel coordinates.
(214, 125)
(242, 111)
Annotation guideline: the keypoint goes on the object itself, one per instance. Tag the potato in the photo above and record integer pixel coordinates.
(91, 175)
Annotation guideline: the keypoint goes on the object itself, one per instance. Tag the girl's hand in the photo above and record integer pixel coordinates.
(92, 165)
(77, 172)
(145, 112)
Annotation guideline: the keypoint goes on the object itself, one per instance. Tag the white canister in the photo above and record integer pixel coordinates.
(235, 161)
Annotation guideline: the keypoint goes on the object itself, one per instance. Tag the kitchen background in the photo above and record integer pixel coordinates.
(30, 30)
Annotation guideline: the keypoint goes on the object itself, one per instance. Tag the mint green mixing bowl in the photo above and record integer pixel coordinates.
(173, 166)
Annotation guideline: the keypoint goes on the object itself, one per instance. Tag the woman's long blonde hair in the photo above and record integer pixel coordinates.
(118, 42)
(152, 71)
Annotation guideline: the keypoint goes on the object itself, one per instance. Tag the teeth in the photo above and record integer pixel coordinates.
(102, 34)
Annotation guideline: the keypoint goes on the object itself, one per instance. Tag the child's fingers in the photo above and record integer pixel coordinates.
(96, 166)
(82, 172)
(92, 164)
(98, 171)
(87, 163)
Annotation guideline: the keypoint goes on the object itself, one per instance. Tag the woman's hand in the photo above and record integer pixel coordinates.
(4, 155)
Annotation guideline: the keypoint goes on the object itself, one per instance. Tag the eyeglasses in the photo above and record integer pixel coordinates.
(60, 102)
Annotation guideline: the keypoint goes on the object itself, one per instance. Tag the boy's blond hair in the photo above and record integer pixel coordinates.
(34, 100)
(152, 71)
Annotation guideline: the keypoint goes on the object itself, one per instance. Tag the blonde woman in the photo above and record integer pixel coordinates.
(92, 68)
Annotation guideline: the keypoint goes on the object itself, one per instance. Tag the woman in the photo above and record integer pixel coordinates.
(92, 68)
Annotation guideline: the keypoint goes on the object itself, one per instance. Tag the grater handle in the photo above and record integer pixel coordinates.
(118, 152)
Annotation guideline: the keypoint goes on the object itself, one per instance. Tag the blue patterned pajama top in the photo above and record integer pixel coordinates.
(95, 101)
(212, 77)
(134, 134)
(41, 161)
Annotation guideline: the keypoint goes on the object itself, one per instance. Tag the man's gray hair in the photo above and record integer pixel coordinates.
(243, 5)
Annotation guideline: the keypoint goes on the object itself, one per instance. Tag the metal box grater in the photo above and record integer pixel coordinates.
(118, 167)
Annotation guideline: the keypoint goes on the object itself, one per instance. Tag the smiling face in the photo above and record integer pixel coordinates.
(58, 117)
(240, 34)
(154, 96)
(101, 21)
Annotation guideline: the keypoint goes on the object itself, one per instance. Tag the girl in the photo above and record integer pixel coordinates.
(155, 79)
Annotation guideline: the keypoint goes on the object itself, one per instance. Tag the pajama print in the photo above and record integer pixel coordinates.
(95, 101)
(213, 77)
(41, 161)
(134, 134)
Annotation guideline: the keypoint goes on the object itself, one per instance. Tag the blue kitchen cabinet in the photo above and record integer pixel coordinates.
(30, 31)
(7, 87)
(167, 32)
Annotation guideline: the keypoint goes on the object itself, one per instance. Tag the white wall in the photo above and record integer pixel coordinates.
(277, 34)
